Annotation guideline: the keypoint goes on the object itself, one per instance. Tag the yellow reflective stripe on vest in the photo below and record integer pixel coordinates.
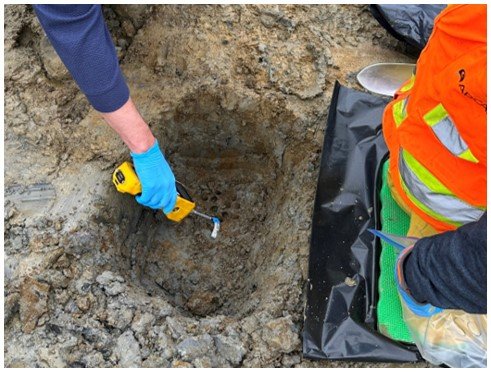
(468, 155)
(399, 111)
(409, 85)
(423, 174)
(445, 130)
(431, 196)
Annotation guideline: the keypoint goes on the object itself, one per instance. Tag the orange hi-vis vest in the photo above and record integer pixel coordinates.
(436, 126)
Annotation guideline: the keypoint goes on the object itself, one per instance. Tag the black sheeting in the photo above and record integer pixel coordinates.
(340, 316)
(410, 23)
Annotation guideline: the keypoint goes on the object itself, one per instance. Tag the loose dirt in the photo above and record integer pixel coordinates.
(238, 97)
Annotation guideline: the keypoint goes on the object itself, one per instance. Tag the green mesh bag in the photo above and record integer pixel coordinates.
(389, 311)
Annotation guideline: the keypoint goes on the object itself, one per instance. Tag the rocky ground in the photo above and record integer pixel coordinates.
(238, 97)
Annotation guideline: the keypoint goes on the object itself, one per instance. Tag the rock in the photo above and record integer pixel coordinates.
(54, 278)
(262, 47)
(203, 362)
(142, 322)
(122, 43)
(181, 364)
(91, 335)
(33, 303)
(194, 347)
(53, 328)
(165, 345)
(230, 348)
(43, 319)
(203, 303)
(11, 306)
(128, 351)
(271, 16)
(112, 284)
(21, 66)
(350, 282)
(93, 360)
(164, 308)
(51, 357)
(107, 277)
(136, 13)
(290, 360)
(16, 363)
(155, 361)
(212, 325)
(250, 324)
(51, 61)
(119, 317)
(36, 263)
(279, 335)
(115, 288)
(128, 28)
(83, 284)
(179, 326)
(83, 303)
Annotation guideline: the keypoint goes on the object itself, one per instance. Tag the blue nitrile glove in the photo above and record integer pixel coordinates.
(157, 180)
(423, 310)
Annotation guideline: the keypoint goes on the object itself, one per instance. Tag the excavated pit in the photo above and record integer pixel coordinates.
(233, 166)
(238, 97)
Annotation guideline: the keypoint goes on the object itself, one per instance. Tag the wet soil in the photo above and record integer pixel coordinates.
(238, 98)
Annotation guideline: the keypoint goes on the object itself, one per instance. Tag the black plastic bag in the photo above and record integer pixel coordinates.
(340, 315)
(410, 23)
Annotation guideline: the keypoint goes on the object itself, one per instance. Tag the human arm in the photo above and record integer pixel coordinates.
(131, 127)
(81, 38)
(155, 174)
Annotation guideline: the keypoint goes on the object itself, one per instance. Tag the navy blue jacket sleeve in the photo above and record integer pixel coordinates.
(449, 270)
(81, 38)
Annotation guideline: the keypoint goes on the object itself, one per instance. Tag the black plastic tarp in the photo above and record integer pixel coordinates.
(410, 23)
(340, 315)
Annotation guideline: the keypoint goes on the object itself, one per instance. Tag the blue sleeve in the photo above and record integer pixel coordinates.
(448, 270)
(81, 38)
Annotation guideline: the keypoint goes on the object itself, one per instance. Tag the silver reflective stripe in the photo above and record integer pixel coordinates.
(449, 136)
(404, 106)
(447, 206)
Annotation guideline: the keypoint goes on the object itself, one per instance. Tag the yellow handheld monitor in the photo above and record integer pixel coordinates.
(126, 181)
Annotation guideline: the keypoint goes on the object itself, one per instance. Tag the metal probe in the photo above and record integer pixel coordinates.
(215, 220)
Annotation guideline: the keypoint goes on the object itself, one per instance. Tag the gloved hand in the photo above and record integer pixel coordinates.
(443, 336)
(157, 180)
(424, 310)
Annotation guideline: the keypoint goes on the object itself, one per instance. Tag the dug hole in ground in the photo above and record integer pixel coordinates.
(238, 98)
